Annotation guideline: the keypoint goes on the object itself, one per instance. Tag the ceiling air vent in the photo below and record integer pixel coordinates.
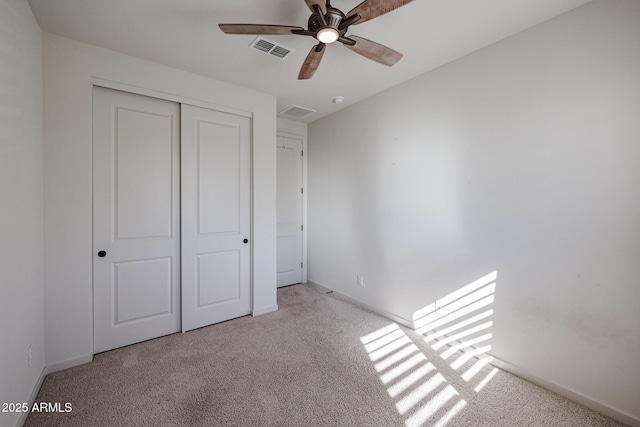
(297, 111)
(267, 46)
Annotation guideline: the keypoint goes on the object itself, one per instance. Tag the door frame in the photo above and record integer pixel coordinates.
(304, 196)
(108, 84)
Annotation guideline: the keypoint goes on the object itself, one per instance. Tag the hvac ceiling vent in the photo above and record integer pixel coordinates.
(271, 48)
(297, 111)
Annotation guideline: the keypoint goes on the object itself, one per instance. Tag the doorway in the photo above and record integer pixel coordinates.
(289, 191)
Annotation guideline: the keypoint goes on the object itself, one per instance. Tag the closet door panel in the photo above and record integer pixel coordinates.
(136, 218)
(216, 216)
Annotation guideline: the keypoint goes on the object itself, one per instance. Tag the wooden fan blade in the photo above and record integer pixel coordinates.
(374, 51)
(323, 6)
(370, 9)
(258, 29)
(311, 63)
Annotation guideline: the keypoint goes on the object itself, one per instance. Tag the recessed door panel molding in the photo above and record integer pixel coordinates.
(286, 254)
(218, 279)
(219, 161)
(289, 210)
(143, 184)
(136, 218)
(288, 186)
(216, 216)
(151, 278)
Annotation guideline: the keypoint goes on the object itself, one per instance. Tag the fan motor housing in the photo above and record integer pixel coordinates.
(333, 17)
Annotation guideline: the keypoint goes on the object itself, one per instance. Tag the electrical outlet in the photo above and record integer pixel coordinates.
(30, 356)
(360, 280)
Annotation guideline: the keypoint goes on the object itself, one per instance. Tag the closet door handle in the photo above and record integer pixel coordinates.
(245, 241)
(102, 254)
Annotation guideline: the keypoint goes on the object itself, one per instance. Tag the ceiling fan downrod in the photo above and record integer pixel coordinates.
(328, 24)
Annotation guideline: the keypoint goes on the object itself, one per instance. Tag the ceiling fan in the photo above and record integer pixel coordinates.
(328, 25)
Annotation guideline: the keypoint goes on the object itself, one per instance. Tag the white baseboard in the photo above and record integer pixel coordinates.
(391, 316)
(33, 396)
(502, 364)
(264, 310)
(70, 363)
(568, 393)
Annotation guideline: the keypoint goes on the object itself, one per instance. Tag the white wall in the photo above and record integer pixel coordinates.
(523, 158)
(21, 229)
(292, 127)
(69, 69)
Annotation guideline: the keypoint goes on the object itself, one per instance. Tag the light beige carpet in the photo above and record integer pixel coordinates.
(317, 361)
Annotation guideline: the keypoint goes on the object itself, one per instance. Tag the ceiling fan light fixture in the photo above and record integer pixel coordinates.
(329, 25)
(328, 35)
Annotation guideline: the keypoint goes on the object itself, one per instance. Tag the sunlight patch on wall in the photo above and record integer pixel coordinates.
(459, 324)
(457, 327)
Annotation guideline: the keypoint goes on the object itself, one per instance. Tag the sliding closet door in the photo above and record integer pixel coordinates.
(216, 216)
(136, 218)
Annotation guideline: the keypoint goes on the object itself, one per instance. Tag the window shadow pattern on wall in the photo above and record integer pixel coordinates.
(457, 328)
(458, 325)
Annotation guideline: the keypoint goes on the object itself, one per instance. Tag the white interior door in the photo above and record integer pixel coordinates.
(289, 210)
(216, 216)
(136, 218)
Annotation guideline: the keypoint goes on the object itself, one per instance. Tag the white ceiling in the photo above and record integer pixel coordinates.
(184, 34)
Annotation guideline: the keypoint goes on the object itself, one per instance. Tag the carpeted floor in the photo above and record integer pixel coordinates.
(317, 361)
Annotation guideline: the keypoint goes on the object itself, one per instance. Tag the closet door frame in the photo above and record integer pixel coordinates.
(136, 90)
